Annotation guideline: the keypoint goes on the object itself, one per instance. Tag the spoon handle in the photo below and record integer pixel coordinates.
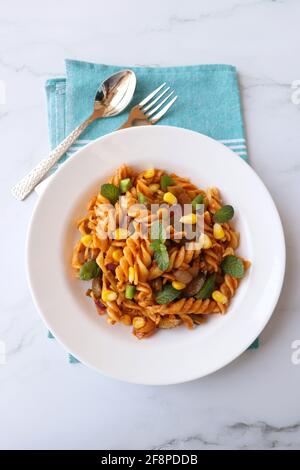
(29, 182)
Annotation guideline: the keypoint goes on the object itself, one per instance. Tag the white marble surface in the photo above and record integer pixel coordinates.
(44, 401)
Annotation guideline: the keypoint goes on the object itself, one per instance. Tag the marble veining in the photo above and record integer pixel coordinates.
(176, 20)
(241, 436)
(46, 402)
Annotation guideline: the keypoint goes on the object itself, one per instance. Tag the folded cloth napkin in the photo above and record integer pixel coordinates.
(209, 102)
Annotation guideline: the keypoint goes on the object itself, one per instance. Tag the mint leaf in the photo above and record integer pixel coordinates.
(167, 294)
(224, 214)
(110, 192)
(161, 232)
(89, 270)
(233, 266)
(155, 245)
(207, 288)
(161, 256)
(165, 181)
(158, 232)
(197, 200)
(142, 198)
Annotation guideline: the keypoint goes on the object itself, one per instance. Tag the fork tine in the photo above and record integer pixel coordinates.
(159, 105)
(163, 111)
(148, 98)
(152, 103)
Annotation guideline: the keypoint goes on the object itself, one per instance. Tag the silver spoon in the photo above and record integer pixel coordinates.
(112, 97)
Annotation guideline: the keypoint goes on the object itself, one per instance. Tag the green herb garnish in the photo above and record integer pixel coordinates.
(197, 200)
(224, 214)
(233, 266)
(89, 270)
(165, 181)
(142, 198)
(125, 185)
(161, 254)
(110, 192)
(155, 245)
(207, 288)
(167, 294)
(158, 232)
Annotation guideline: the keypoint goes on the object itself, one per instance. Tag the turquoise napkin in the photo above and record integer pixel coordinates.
(209, 102)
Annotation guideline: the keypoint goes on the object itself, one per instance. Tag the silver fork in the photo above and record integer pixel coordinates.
(144, 113)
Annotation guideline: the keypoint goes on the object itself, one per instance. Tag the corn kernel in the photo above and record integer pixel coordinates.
(149, 173)
(207, 243)
(87, 240)
(138, 323)
(121, 233)
(189, 219)
(126, 319)
(178, 285)
(117, 255)
(131, 274)
(109, 296)
(154, 187)
(218, 232)
(170, 198)
(219, 297)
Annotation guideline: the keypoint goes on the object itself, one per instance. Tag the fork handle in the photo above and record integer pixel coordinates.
(29, 182)
(136, 118)
(125, 125)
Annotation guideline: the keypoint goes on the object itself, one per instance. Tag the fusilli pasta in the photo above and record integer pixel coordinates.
(157, 282)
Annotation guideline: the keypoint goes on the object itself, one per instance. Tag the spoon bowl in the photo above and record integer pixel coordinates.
(115, 94)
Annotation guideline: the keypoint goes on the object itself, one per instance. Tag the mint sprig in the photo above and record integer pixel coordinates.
(142, 198)
(167, 294)
(199, 199)
(89, 270)
(110, 192)
(224, 214)
(155, 245)
(165, 181)
(207, 288)
(161, 254)
(233, 266)
(158, 232)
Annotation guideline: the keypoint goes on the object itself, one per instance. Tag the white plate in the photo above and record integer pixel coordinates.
(170, 356)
